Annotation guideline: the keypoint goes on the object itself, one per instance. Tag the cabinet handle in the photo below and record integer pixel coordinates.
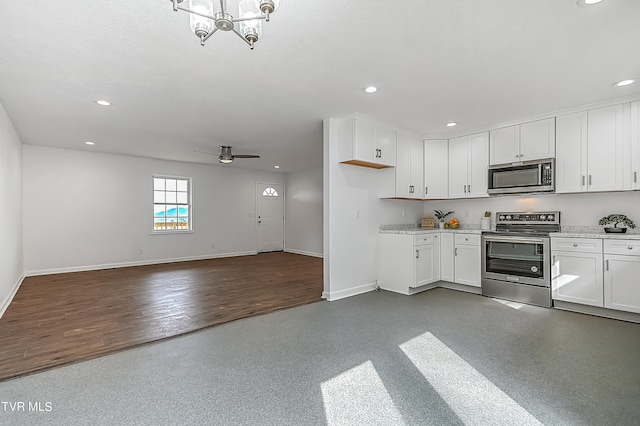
(553, 261)
(630, 247)
(606, 265)
(465, 189)
(575, 245)
(435, 237)
(589, 180)
(426, 190)
(456, 251)
(412, 189)
(417, 254)
(635, 177)
(469, 189)
(380, 153)
(582, 180)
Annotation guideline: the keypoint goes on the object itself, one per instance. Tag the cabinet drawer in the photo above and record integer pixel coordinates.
(468, 239)
(421, 239)
(582, 245)
(627, 247)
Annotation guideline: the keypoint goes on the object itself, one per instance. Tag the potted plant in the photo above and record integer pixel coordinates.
(615, 219)
(441, 216)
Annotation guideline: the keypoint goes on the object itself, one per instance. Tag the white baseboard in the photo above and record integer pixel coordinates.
(306, 253)
(353, 291)
(5, 304)
(136, 263)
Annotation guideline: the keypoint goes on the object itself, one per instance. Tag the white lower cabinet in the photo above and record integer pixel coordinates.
(447, 259)
(576, 271)
(467, 259)
(408, 262)
(597, 272)
(621, 275)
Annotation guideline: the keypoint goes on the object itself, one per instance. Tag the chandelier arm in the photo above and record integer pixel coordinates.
(204, 15)
(209, 35)
(253, 18)
(223, 6)
(175, 5)
(242, 37)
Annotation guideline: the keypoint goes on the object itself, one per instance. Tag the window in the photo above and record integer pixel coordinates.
(270, 192)
(171, 203)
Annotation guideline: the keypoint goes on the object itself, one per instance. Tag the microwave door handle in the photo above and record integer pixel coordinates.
(539, 174)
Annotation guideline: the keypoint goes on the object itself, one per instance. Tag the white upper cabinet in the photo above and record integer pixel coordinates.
(409, 168)
(366, 143)
(529, 141)
(635, 145)
(436, 169)
(468, 161)
(589, 152)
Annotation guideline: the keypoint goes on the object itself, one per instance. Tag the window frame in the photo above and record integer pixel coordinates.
(189, 204)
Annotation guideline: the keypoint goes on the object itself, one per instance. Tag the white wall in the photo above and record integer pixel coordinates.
(85, 210)
(575, 209)
(303, 233)
(11, 258)
(351, 243)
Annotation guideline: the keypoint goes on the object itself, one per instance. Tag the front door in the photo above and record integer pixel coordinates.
(270, 217)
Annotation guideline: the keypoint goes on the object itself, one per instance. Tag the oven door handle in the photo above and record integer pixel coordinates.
(513, 239)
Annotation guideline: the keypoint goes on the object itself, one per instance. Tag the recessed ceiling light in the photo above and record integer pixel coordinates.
(624, 82)
(103, 103)
(89, 143)
(587, 2)
(276, 167)
(453, 123)
(370, 89)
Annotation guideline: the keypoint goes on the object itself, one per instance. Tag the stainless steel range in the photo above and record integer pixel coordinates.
(516, 259)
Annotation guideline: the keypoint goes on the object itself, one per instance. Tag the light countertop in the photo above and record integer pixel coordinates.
(415, 229)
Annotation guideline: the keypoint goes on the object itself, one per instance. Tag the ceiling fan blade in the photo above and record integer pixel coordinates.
(246, 156)
(205, 152)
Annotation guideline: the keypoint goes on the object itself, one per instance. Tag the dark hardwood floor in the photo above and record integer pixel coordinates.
(65, 318)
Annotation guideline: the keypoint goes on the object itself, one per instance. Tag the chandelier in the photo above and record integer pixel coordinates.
(208, 16)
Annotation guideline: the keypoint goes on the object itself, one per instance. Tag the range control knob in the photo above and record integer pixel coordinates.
(542, 217)
(550, 217)
(508, 217)
(501, 217)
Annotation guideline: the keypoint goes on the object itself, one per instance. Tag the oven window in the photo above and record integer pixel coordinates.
(518, 259)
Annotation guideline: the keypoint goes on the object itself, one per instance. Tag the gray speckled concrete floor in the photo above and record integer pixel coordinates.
(438, 357)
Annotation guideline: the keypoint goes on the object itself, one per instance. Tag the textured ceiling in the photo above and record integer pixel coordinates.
(477, 62)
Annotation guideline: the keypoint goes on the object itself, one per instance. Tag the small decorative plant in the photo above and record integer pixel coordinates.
(615, 219)
(487, 214)
(441, 215)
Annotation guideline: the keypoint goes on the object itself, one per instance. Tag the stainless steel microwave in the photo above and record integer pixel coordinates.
(522, 178)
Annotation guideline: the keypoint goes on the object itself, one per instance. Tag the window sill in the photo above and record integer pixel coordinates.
(171, 232)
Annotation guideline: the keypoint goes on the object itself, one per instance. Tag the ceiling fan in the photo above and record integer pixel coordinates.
(226, 156)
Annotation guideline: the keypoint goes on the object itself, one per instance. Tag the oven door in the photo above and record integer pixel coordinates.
(523, 260)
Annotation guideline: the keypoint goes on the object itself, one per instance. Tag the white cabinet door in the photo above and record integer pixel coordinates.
(385, 142)
(605, 148)
(447, 261)
(571, 152)
(467, 265)
(364, 141)
(403, 166)
(621, 285)
(458, 167)
(478, 161)
(436, 169)
(424, 265)
(577, 277)
(436, 257)
(635, 145)
(504, 145)
(538, 140)
(417, 168)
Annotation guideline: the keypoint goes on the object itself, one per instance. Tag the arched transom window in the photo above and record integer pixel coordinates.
(270, 192)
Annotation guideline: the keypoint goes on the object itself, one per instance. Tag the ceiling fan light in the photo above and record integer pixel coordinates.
(251, 29)
(200, 25)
